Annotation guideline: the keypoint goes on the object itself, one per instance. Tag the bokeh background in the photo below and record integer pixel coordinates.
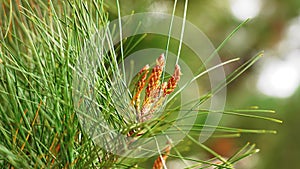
(272, 83)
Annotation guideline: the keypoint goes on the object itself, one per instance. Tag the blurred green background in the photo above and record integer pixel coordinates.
(273, 83)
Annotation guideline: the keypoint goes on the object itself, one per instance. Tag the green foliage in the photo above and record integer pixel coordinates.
(40, 45)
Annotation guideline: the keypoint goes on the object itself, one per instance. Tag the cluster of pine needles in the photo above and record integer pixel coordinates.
(40, 45)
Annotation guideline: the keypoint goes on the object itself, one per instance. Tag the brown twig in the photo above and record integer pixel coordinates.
(160, 162)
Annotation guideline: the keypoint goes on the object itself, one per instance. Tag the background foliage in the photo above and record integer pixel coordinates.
(275, 23)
